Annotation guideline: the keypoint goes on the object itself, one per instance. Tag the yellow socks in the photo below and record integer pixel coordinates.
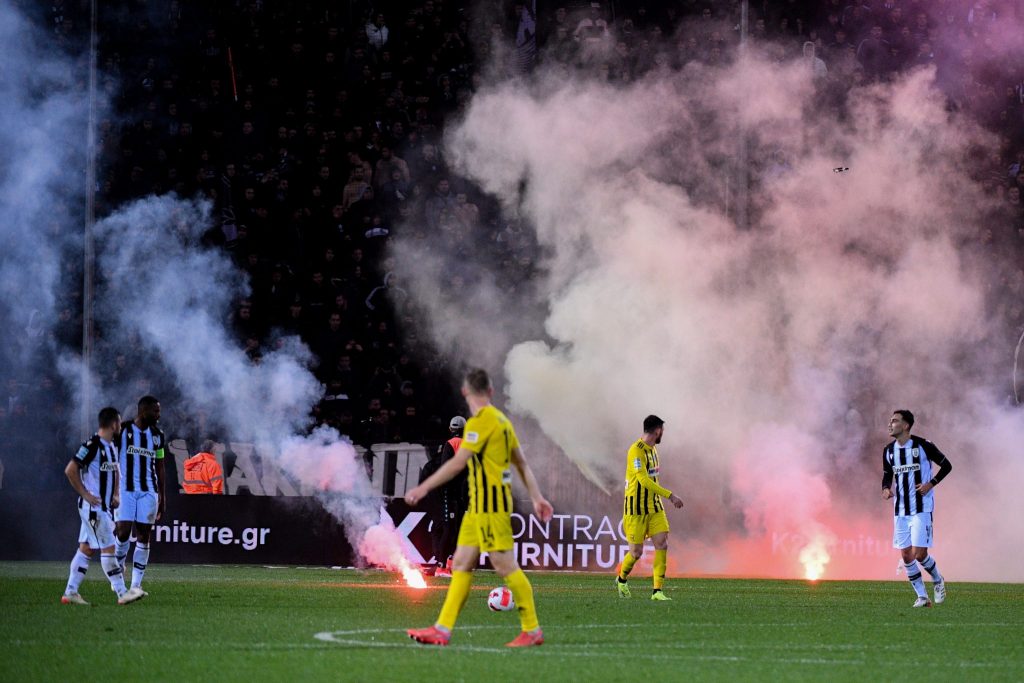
(627, 566)
(458, 591)
(522, 592)
(660, 564)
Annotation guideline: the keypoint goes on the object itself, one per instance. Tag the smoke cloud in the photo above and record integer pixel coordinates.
(172, 294)
(775, 353)
(161, 292)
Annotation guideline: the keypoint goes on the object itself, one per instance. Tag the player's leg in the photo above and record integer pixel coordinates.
(145, 518)
(902, 540)
(104, 527)
(658, 529)
(140, 558)
(467, 555)
(79, 566)
(635, 528)
(124, 516)
(498, 543)
(504, 562)
(922, 535)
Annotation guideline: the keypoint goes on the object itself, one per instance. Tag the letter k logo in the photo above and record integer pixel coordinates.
(405, 528)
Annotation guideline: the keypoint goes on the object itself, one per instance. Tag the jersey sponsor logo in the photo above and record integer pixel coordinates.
(506, 476)
(108, 467)
(472, 437)
(135, 450)
(637, 465)
(654, 471)
(903, 469)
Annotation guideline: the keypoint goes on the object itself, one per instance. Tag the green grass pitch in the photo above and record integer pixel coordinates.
(258, 624)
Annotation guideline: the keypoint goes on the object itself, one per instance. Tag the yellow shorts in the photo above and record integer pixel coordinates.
(488, 531)
(639, 527)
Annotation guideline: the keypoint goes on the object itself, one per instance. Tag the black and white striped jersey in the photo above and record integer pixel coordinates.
(139, 452)
(909, 465)
(97, 460)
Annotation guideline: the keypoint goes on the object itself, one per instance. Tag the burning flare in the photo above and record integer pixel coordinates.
(814, 556)
(412, 576)
(382, 546)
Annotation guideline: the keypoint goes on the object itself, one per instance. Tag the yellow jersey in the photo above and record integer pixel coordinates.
(489, 435)
(643, 493)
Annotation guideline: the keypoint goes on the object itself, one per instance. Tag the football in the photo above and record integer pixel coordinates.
(500, 599)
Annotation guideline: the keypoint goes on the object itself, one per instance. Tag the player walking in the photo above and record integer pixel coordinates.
(93, 474)
(489, 446)
(142, 486)
(907, 474)
(643, 514)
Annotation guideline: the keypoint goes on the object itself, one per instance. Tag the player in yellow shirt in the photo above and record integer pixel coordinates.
(489, 447)
(643, 514)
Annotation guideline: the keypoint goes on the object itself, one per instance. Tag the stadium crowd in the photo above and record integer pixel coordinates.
(315, 130)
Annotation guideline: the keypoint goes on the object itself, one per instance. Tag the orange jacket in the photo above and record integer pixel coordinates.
(203, 474)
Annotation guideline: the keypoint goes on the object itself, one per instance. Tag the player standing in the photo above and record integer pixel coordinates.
(643, 514)
(907, 469)
(142, 486)
(93, 474)
(489, 446)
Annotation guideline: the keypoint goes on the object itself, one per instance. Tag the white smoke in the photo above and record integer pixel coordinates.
(761, 348)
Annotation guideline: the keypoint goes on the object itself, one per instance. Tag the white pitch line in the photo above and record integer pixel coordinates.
(611, 650)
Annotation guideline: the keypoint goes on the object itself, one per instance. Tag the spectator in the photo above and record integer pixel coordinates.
(377, 32)
(815, 65)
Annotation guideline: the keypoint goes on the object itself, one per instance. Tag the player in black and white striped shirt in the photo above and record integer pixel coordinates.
(908, 476)
(141, 456)
(93, 474)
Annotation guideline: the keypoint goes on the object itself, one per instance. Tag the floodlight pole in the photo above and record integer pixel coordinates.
(89, 250)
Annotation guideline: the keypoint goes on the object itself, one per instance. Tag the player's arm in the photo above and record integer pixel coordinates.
(943, 463)
(73, 471)
(161, 505)
(115, 498)
(886, 475)
(443, 475)
(541, 506)
(644, 479)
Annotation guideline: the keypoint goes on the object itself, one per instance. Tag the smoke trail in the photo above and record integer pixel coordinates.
(166, 289)
(763, 349)
(43, 110)
(159, 286)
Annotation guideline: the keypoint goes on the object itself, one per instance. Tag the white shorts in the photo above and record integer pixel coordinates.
(912, 530)
(97, 528)
(137, 506)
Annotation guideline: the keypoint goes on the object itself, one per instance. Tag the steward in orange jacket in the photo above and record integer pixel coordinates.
(203, 473)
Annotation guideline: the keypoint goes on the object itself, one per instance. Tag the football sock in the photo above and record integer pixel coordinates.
(121, 549)
(660, 564)
(114, 573)
(458, 591)
(928, 564)
(140, 558)
(914, 576)
(627, 566)
(522, 592)
(79, 566)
